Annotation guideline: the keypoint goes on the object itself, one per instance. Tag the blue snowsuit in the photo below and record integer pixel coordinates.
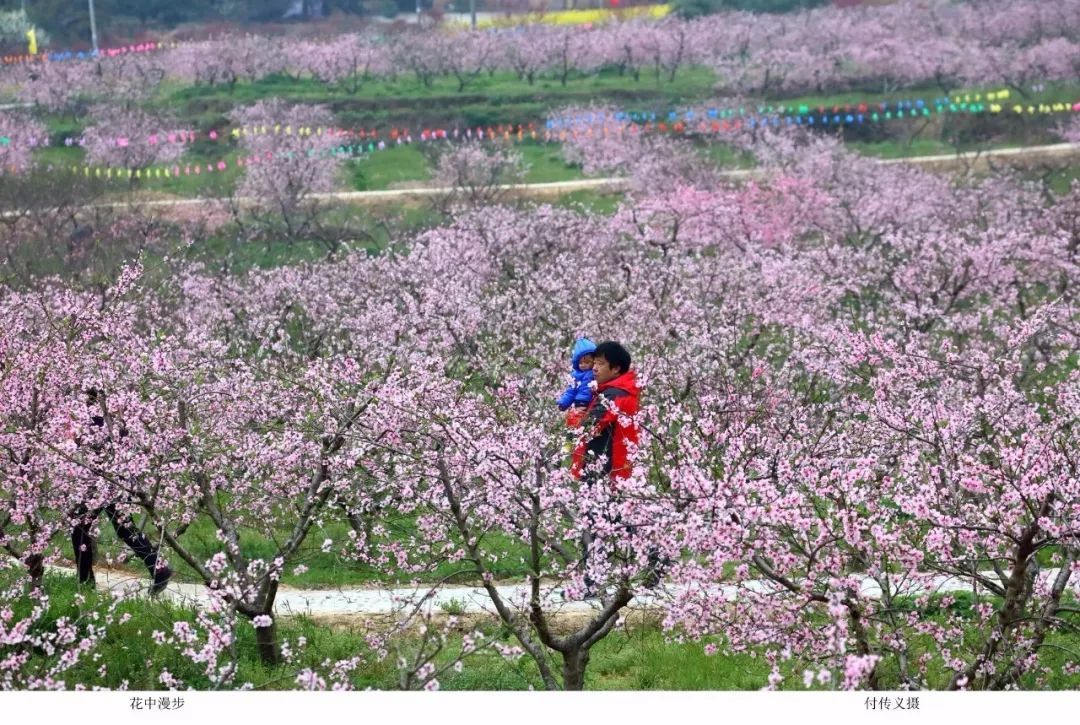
(577, 393)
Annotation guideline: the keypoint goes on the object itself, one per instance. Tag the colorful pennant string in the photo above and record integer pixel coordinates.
(681, 121)
(63, 55)
(583, 126)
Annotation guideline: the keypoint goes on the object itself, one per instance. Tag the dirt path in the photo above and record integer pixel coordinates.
(980, 160)
(344, 605)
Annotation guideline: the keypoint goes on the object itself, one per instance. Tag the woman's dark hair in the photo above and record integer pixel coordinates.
(615, 354)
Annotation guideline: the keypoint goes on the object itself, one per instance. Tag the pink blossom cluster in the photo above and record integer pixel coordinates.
(476, 172)
(827, 49)
(650, 161)
(18, 135)
(1070, 130)
(285, 169)
(859, 393)
(127, 138)
(878, 48)
(66, 86)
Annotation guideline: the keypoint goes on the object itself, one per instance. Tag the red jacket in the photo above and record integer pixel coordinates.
(603, 434)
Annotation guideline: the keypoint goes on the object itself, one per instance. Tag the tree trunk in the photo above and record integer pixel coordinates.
(266, 638)
(35, 563)
(574, 664)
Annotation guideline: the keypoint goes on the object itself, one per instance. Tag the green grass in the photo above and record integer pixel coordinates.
(637, 656)
(589, 200)
(898, 150)
(546, 164)
(384, 225)
(643, 659)
(405, 97)
(503, 98)
(726, 157)
(376, 171)
(1054, 93)
(241, 256)
(325, 570)
(382, 169)
(408, 163)
(60, 156)
(406, 93)
(1061, 180)
(205, 184)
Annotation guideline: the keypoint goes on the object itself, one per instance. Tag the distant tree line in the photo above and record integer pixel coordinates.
(67, 21)
(695, 8)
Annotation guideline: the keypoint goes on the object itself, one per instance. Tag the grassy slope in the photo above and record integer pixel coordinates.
(502, 98)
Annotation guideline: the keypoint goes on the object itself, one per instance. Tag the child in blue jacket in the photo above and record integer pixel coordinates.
(577, 396)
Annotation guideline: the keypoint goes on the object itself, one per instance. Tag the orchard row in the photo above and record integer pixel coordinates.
(855, 380)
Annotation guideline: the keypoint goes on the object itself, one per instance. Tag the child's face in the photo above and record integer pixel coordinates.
(586, 362)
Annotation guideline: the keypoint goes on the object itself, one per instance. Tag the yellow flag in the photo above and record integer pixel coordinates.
(31, 35)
